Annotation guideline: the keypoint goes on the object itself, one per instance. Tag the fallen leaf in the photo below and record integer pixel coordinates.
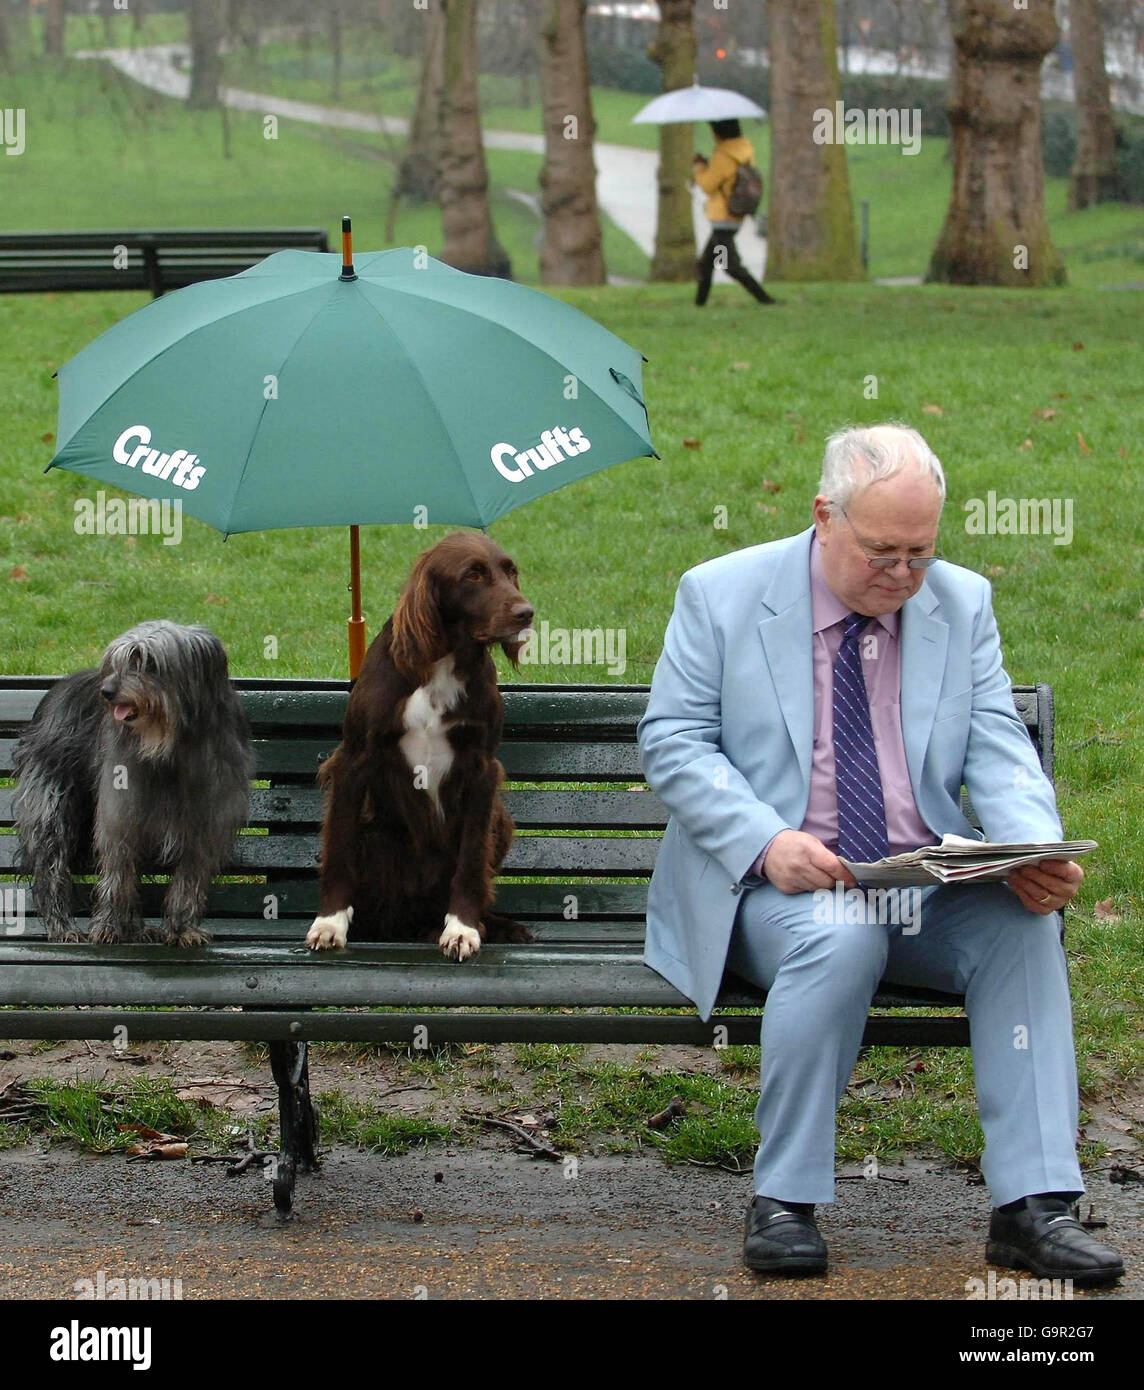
(1105, 912)
(214, 598)
(993, 570)
(1084, 448)
(739, 366)
(20, 572)
(47, 438)
(772, 487)
(1078, 347)
(687, 444)
(178, 1149)
(1122, 452)
(1048, 413)
(144, 1133)
(930, 409)
(1028, 444)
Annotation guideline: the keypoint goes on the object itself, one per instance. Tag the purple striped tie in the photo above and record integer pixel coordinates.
(862, 834)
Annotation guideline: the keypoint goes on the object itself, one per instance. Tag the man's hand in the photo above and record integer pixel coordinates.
(1046, 886)
(797, 863)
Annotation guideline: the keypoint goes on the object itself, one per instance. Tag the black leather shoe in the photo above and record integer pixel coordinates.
(1045, 1236)
(781, 1238)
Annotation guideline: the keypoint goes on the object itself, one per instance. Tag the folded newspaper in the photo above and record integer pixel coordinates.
(958, 860)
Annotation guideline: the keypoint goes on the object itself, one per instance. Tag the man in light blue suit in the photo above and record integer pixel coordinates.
(829, 694)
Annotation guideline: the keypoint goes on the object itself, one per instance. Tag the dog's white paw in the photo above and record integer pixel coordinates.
(458, 941)
(329, 933)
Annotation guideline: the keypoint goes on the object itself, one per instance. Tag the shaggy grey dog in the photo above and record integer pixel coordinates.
(144, 764)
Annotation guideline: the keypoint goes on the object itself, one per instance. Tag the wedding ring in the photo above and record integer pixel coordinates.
(1046, 898)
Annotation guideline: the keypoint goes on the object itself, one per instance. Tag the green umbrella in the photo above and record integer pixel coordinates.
(404, 391)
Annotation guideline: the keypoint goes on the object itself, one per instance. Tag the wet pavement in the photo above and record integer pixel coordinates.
(493, 1224)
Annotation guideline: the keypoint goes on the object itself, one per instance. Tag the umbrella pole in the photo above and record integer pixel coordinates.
(356, 624)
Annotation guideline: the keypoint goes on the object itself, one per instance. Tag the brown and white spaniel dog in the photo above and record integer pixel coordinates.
(415, 829)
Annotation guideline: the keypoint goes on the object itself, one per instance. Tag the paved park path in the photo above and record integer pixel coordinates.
(480, 1223)
(625, 177)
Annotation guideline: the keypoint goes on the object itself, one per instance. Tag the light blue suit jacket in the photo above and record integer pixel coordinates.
(727, 737)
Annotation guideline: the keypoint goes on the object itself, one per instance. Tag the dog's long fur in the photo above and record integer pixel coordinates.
(144, 763)
(415, 829)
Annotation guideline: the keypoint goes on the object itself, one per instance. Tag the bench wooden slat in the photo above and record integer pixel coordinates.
(573, 810)
(298, 899)
(292, 930)
(543, 855)
(298, 759)
(402, 975)
(399, 974)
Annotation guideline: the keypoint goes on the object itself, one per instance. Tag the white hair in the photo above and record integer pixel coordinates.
(863, 454)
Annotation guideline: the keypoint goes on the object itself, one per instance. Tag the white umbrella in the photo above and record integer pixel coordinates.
(697, 103)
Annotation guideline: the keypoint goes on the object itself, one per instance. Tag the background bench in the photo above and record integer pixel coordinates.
(158, 260)
(583, 892)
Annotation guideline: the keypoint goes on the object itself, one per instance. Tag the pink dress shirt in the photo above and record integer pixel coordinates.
(882, 668)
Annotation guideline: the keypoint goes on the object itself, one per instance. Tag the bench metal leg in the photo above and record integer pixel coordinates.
(298, 1121)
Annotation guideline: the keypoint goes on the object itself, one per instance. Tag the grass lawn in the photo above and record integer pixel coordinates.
(1027, 394)
(97, 140)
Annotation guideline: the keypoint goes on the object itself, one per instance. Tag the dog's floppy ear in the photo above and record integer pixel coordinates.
(418, 634)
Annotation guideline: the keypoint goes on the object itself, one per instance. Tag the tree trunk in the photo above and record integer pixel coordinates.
(206, 20)
(996, 232)
(810, 217)
(674, 52)
(470, 241)
(418, 173)
(572, 253)
(1094, 177)
(55, 21)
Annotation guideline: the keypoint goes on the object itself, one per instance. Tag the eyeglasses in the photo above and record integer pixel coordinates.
(887, 562)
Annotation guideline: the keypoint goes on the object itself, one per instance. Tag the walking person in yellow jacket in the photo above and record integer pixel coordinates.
(716, 178)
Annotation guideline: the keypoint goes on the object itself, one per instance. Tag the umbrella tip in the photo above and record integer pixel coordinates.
(348, 272)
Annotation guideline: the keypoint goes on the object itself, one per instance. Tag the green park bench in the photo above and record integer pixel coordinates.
(572, 773)
(158, 260)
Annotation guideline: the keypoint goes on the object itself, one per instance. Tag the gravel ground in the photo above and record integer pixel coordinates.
(493, 1225)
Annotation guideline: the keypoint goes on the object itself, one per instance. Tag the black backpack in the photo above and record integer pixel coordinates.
(746, 192)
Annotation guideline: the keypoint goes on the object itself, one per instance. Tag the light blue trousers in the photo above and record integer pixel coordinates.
(821, 976)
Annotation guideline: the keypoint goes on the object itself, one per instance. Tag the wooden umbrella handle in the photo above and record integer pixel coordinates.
(356, 624)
